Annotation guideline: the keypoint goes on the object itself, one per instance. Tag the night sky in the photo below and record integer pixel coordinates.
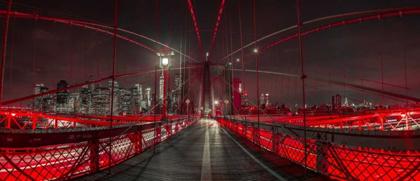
(40, 51)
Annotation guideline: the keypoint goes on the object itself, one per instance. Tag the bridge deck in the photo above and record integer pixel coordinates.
(205, 152)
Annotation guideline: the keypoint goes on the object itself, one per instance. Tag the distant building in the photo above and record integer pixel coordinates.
(62, 96)
(40, 103)
(116, 102)
(86, 98)
(336, 102)
(148, 97)
(101, 101)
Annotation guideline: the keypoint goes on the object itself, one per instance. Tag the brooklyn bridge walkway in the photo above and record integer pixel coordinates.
(205, 151)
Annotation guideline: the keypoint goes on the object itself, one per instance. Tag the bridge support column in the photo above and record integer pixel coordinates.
(34, 120)
(244, 129)
(169, 128)
(255, 133)
(275, 140)
(8, 123)
(158, 134)
(176, 127)
(94, 155)
(321, 156)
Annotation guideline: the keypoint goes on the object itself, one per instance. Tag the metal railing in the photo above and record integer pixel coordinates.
(65, 155)
(339, 154)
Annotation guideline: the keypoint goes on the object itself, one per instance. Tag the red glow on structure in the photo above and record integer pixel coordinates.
(337, 161)
(197, 31)
(219, 15)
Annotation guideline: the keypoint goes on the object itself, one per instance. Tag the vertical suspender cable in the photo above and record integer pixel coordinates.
(156, 64)
(3, 56)
(256, 68)
(242, 51)
(382, 61)
(169, 70)
(231, 60)
(34, 56)
(180, 56)
(11, 57)
(405, 62)
(113, 82)
(303, 80)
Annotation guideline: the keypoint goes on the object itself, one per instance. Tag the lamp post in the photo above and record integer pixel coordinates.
(188, 103)
(165, 62)
(226, 107)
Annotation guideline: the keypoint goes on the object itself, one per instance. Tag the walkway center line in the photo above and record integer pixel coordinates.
(206, 173)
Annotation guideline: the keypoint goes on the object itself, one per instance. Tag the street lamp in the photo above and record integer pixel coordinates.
(237, 60)
(255, 50)
(226, 107)
(165, 62)
(188, 103)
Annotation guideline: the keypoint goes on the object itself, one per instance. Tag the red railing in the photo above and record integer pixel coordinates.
(65, 154)
(344, 155)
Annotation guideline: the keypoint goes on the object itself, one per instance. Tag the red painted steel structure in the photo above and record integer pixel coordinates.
(216, 27)
(339, 154)
(93, 26)
(3, 56)
(197, 30)
(46, 146)
(62, 155)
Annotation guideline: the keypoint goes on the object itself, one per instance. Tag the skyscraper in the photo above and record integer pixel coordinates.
(161, 80)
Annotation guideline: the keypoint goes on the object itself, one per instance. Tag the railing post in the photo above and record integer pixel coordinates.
(275, 140)
(8, 124)
(34, 120)
(321, 156)
(176, 126)
(158, 133)
(169, 128)
(244, 128)
(94, 155)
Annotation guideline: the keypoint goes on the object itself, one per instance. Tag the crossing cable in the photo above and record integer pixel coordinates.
(390, 13)
(93, 26)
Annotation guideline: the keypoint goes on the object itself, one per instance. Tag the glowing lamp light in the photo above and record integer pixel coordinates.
(255, 50)
(165, 62)
(403, 115)
(216, 102)
(13, 114)
(237, 60)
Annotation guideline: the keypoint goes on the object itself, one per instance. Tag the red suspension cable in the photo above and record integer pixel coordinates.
(219, 15)
(197, 31)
